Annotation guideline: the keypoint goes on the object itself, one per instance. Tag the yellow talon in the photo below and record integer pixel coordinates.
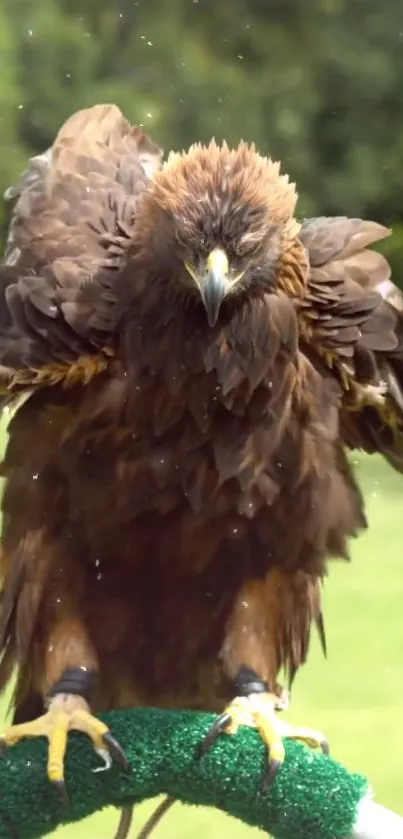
(66, 713)
(85, 722)
(57, 737)
(258, 710)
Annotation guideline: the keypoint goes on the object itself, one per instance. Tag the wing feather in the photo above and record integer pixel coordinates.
(72, 222)
(352, 321)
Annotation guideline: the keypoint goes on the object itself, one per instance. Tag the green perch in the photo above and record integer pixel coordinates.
(313, 797)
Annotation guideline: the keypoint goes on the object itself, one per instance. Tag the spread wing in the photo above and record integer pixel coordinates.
(73, 219)
(352, 323)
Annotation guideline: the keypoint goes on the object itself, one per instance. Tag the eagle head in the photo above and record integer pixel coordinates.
(219, 221)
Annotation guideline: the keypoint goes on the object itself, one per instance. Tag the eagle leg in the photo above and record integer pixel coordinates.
(256, 706)
(68, 710)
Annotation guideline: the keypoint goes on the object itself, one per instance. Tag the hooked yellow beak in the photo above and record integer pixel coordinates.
(215, 283)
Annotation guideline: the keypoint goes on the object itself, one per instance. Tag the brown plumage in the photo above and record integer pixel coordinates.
(192, 364)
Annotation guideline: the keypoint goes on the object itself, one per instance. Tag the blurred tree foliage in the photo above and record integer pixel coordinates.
(318, 84)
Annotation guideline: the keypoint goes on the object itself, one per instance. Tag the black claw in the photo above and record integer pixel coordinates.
(216, 729)
(116, 751)
(270, 774)
(325, 747)
(60, 786)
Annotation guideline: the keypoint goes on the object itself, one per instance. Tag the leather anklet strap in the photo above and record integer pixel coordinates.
(247, 682)
(78, 681)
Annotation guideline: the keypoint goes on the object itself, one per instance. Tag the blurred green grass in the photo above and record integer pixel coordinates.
(356, 696)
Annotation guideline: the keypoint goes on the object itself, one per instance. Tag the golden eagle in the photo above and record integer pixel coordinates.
(189, 364)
